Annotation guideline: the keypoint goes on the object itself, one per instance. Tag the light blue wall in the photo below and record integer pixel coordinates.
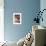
(43, 6)
(28, 9)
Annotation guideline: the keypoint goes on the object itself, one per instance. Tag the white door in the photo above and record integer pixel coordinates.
(1, 20)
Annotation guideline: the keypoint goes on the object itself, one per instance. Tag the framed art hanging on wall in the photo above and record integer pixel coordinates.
(17, 18)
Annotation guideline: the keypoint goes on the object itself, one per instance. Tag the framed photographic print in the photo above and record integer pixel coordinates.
(17, 18)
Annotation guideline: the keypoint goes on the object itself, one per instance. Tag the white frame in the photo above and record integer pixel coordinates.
(20, 18)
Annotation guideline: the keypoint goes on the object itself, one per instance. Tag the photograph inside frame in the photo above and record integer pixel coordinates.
(17, 18)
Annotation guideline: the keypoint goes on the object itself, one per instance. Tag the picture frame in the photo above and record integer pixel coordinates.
(17, 18)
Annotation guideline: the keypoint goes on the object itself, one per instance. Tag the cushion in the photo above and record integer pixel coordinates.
(20, 42)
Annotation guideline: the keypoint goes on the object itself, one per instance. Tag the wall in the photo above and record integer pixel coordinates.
(27, 8)
(43, 6)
